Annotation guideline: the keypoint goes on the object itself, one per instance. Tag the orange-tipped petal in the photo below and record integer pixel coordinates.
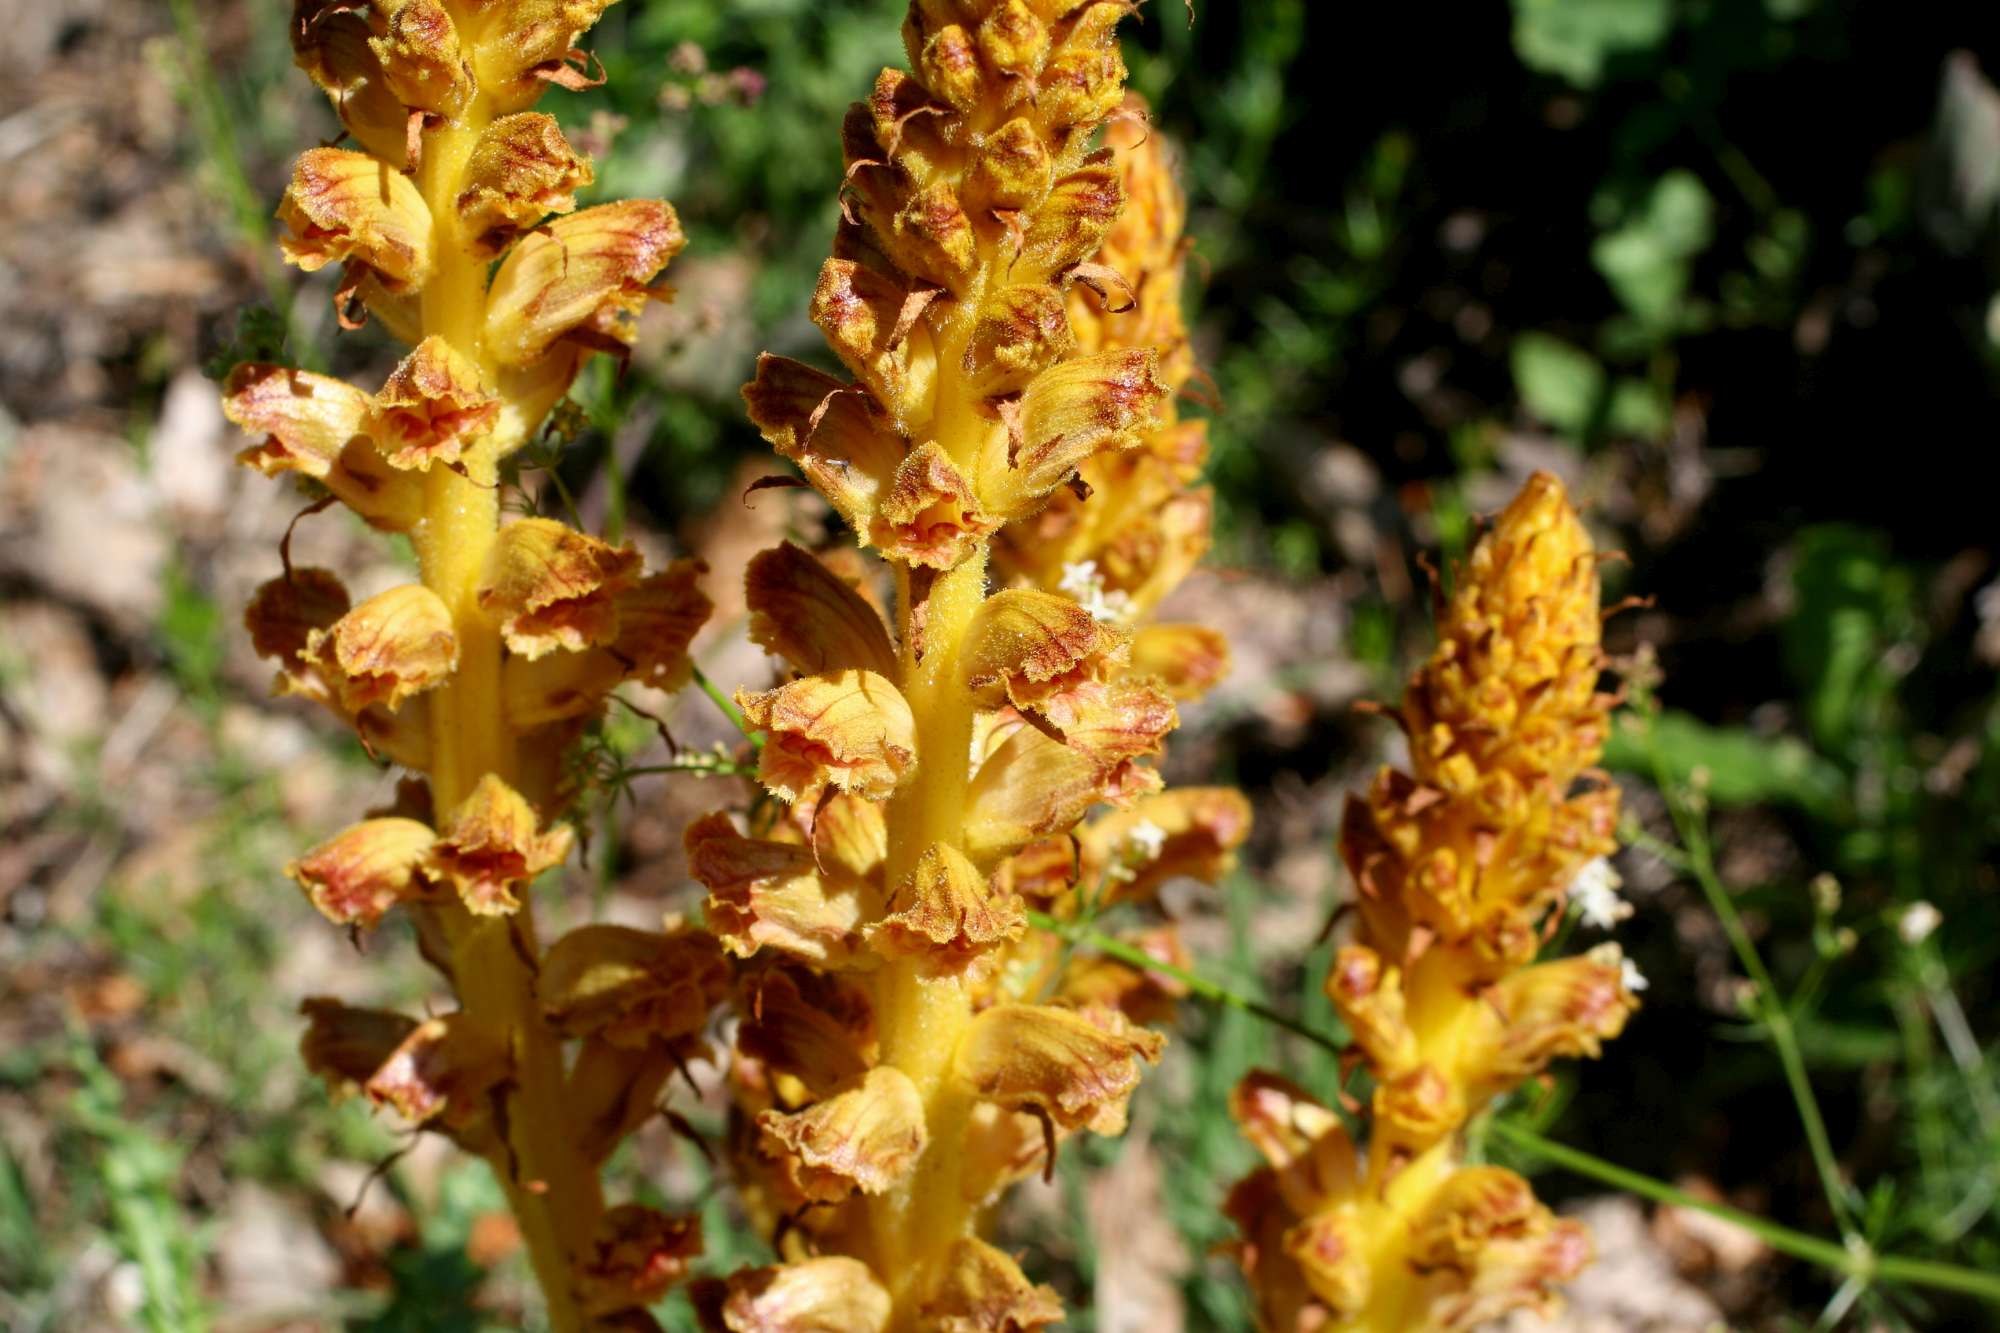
(491, 843)
(362, 871)
(847, 729)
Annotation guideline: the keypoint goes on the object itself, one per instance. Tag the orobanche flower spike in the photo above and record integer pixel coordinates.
(439, 216)
(1460, 868)
(907, 1048)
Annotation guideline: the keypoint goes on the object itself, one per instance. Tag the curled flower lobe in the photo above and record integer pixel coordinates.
(361, 872)
(930, 515)
(396, 644)
(827, 1295)
(521, 170)
(805, 613)
(346, 1045)
(431, 408)
(317, 426)
(1076, 1067)
(872, 323)
(1037, 650)
(866, 1136)
(552, 587)
(637, 1254)
(632, 987)
(348, 207)
(816, 1027)
(847, 729)
(947, 914)
(582, 277)
(1076, 410)
(764, 893)
(491, 843)
(981, 1289)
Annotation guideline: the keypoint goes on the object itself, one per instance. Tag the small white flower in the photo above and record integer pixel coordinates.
(1917, 922)
(1147, 838)
(1595, 894)
(1630, 977)
(1082, 581)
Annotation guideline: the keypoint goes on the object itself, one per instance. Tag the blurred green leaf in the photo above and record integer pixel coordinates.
(1559, 383)
(1576, 38)
(1852, 602)
(1741, 767)
(1648, 261)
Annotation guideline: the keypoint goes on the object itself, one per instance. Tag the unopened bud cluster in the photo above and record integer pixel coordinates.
(1460, 867)
(451, 220)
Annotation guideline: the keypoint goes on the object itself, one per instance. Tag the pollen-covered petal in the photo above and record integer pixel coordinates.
(362, 871)
(1033, 649)
(1072, 221)
(431, 408)
(816, 1027)
(583, 276)
(805, 613)
(1078, 1067)
(346, 206)
(834, 1294)
(1112, 722)
(317, 427)
(1078, 409)
(632, 987)
(1020, 331)
(1189, 660)
(521, 170)
(1332, 1252)
(1525, 1272)
(1564, 1009)
(395, 644)
(526, 45)
(947, 914)
(763, 893)
(836, 433)
(636, 1256)
(866, 1136)
(981, 1289)
(443, 1070)
(491, 843)
(1415, 1109)
(848, 729)
(552, 587)
(873, 324)
(658, 619)
(1475, 1206)
(930, 515)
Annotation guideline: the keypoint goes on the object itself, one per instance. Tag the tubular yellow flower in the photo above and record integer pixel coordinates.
(481, 674)
(1456, 870)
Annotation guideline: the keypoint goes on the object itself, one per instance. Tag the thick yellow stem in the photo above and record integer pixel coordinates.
(922, 1018)
(555, 1192)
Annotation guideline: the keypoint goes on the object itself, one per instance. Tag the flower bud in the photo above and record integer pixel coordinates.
(420, 57)
(489, 844)
(582, 277)
(526, 45)
(347, 207)
(847, 729)
(632, 988)
(521, 170)
(1084, 80)
(947, 914)
(1310, 1152)
(1013, 170)
(1369, 999)
(931, 238)
(1076, 1067)
(1332, 1254)
(866, 1136)
(1412, 1111)
(363, 871)
(1021, 331)
(948, 65)
(395, 644)
(803, 612)
(552, 587)
(431, 408)
(873, 324)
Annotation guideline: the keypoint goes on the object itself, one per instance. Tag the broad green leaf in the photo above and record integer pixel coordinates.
(1649, 259)
(1575, 38)
(1738, 767)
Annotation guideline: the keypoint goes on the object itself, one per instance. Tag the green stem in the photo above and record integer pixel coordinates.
(1776, 1016)
(727, 705)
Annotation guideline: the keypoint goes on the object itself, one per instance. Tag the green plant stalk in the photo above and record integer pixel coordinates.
(1693, 833)
(1854, 1260)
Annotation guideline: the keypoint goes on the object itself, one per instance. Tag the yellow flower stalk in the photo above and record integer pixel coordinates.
(906, 1049)
(439, 217)
(1460, 867)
